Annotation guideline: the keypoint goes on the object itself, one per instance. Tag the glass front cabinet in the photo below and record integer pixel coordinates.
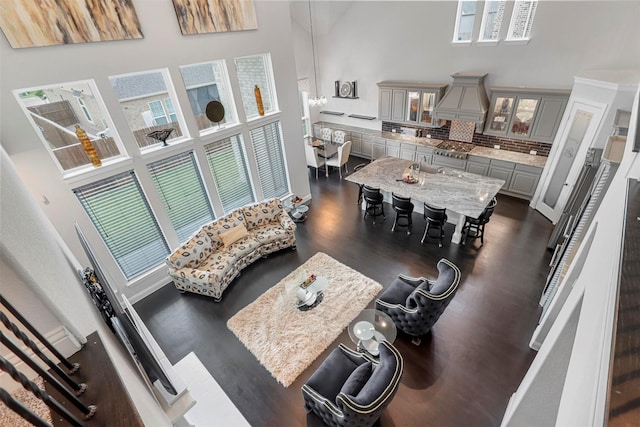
(419, 99)
(532, 114)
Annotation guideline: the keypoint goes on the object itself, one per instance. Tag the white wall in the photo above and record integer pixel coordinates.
(388, 40)
(162, 46)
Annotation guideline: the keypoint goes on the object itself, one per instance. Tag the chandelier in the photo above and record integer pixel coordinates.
(322, 100)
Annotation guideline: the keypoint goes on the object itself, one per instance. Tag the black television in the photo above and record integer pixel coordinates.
(122, 322)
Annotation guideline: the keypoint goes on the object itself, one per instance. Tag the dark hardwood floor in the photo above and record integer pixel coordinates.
(464, 372)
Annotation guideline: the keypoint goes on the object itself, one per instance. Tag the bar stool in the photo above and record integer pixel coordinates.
(374, 205)
(404, 209)
(436, 217)
(474, 227)
(360, 186)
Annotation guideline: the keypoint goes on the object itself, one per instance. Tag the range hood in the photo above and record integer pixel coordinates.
(465, 100)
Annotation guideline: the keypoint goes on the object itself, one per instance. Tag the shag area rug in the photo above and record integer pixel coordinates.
(28, 399)
(286, 340)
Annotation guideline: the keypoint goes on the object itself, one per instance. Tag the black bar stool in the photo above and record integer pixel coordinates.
(474, 227)
(436, 217)
(373, 200)
(403, 208)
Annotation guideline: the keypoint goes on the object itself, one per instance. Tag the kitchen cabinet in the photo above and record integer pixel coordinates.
(409, 102)
(392, 148)
(378, 148)
(524, 180)
(502, 170)
(424, 155)
(450, 162)
(478, 165)
(408, 151)
(531, 114)
(367, 144)
(356, 143)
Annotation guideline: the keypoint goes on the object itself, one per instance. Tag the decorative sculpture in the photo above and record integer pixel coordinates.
(88, 147)
(259, 103)
(161, 135)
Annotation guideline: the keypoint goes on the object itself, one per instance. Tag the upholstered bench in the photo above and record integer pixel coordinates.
(209, 261)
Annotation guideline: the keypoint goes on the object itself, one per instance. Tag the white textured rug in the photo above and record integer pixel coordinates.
(286, 340)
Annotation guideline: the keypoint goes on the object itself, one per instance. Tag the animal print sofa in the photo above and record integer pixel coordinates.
(216, 254)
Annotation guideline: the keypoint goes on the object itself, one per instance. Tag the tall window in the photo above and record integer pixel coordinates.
(522, 19)
(228, 165)
(205, 83)
(304, 89)
(55, 110)
(466, 16)
(121, 214)
(179, 184)
(256, 71)
(143, 98)
(267, 144)
(491, 20)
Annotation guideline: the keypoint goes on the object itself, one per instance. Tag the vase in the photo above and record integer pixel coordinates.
(259, 103)
(88, 146)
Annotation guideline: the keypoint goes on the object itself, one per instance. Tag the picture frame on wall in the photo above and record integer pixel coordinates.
(208, 16)
(43, 23)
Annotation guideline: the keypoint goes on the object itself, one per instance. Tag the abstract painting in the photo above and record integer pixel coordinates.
(215, 16)
(53, 22)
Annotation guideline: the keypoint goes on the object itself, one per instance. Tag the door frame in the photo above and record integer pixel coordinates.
(598, 111)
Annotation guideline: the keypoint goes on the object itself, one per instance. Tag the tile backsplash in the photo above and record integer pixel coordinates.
(482, 140)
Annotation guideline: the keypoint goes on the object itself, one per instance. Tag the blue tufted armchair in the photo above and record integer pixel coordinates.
(351, 388)
(415, 304)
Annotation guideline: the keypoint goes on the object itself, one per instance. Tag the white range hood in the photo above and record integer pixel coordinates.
(465, 100)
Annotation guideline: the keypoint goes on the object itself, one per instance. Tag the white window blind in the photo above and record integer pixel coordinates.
(121, 214)
(229, 168)
(465, 18)
(179, 184)
(492, 20)
(267, 145)
(522, 19)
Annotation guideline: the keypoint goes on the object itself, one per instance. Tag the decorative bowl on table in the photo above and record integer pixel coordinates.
(409, 180)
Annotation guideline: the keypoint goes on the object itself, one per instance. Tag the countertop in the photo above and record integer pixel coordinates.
(510, 156)
(462, 192)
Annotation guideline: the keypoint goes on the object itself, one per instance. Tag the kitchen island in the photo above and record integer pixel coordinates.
(462, 193)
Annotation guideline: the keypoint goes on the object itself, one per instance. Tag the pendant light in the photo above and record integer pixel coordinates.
(315, 101)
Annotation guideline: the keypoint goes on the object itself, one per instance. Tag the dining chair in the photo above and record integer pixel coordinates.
(325, 134)
(374, 205)
(436, 217)
(404, 210)
(474, 227)
(313, 159)
(339, 137)
(341, 159)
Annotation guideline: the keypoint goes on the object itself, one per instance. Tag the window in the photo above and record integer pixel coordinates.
(491, 20)
(84, 109)
(205, 83)
(121, 214)
(522, 19)
(179, 184)
(256, 71)
(158, 113)
(304, 89)
(465, 18)
(267, 144)
(143, 98)
(55, 110)
(229, 168)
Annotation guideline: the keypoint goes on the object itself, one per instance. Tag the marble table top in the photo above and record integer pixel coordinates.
(456, 190)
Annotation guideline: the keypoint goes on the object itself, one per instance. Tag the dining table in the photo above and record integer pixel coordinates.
(461, 193)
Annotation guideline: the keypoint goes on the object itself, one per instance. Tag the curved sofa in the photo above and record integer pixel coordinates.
(216, 254)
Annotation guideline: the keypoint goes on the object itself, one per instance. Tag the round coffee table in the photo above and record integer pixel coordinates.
(369, 328)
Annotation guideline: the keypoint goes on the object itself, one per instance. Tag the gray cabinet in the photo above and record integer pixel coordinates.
(478, 165)
(450, 162)
(409, 102)
(502, 170)
(408, 151)
(378, 148)
(525, 180)
(392, 148)
(530, 114)
(391, 104)
(356, 143)
(424, 155)
(367, 143)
